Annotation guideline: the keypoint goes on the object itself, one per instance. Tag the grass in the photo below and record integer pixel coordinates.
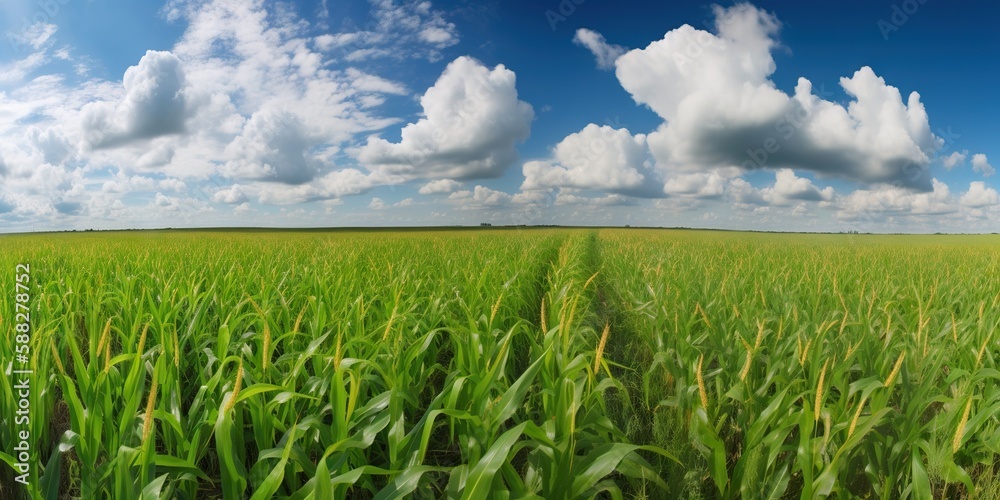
(549, 363)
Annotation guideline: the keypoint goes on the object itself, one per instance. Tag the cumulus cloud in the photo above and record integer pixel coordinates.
(788, 186)
(874, 204)
(982, 165)
(481, 197)
(332, 185)
(380, 204)
(597, 157)
(155, 104)
(605, 53)
(696, 185)
(722, 110)
(788, 189)
(274, 146)
(440, 186)
(954, 159)
(472, 123)
(564, 198)
(234, 195)
(743, 194)
(979, 196)
(53, 144)
(166, 203)
(377, 204)
(122, 184)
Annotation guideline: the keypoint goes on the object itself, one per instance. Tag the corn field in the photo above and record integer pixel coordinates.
(553, 363)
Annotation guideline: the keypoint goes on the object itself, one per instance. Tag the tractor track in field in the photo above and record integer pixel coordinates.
(627, 409)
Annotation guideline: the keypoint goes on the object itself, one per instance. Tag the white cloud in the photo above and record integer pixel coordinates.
(171, 184)
(36, 40)
(481, 197)
(954, 159)
(599, 201)
(979, 196)
(123, 185)
(533, 198)
(36, 35)
(366, 82)
(743, 194)
(982, 165)
(440, 186)
(722, 110)
(605, 53)
(788, 187)
(437, 36)
(697, 185)
(397, 30)
(155, 103)
(596, 158)
(873, 205)
(234, 195)
(333, 185)
(17, 71)
(472, 123)
(274, 146)
(167, 203)
(378, 204)
(328, 41)
(54, 146)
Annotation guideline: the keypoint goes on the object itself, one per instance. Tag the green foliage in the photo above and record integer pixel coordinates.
(507, 364)
(859, 366)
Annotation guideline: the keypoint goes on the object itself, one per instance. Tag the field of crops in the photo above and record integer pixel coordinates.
(556, 363)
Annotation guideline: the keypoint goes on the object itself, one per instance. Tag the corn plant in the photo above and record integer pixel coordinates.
(505, 363)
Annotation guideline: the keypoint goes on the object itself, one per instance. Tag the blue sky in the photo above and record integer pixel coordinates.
(870, 116)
